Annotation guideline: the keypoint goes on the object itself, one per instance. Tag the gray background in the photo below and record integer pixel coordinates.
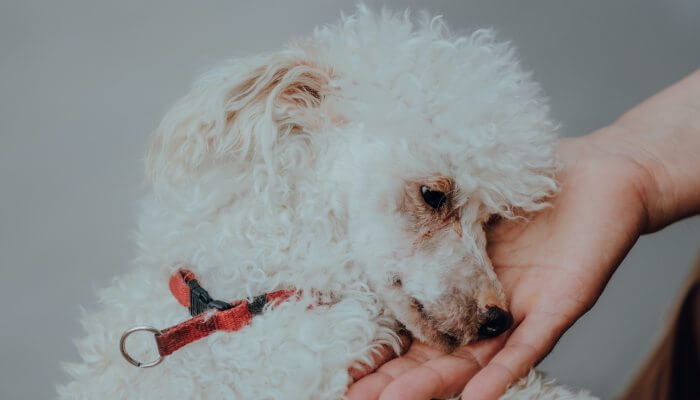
(83, 82)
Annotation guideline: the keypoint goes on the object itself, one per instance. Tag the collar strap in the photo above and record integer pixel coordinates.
(187, 291)
(225, 316)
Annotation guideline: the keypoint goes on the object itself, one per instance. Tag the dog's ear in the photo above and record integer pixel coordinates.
(239, 113)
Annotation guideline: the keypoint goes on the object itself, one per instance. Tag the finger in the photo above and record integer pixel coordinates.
(443, 376)
(379, 357)
(372, 385)
(369, 387)
(528, 344)
(417, 354)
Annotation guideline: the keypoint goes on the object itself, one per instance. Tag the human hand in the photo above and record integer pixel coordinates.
(553, 266)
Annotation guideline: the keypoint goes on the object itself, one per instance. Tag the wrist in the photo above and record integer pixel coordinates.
(645, 176)
(661, 138)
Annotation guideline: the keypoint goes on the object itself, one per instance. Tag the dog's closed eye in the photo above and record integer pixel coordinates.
(434, 198)
(491, 221)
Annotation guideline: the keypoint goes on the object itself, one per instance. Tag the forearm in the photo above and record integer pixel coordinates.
(662, 136)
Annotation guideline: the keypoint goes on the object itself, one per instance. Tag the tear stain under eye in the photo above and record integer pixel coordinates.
(457, 226)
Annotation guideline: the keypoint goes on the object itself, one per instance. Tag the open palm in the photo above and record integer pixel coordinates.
(553, 266)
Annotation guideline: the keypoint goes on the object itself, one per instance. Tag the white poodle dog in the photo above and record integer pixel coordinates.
(356, 166)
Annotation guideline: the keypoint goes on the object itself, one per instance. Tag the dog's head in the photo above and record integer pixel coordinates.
(393, 144)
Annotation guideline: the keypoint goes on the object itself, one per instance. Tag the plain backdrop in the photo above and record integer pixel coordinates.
(82, 83)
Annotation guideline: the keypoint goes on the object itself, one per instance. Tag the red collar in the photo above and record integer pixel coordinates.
(227, 316)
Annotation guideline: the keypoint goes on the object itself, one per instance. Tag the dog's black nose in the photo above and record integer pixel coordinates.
(494, 322)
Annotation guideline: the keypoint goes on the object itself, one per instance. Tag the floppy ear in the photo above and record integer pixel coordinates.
(238, 113)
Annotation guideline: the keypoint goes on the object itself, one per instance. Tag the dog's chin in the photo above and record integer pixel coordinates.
(426, 328)
(428, 334)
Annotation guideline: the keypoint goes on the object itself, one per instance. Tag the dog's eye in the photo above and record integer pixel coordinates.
(433, 198)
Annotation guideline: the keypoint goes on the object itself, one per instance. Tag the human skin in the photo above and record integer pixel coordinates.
(632, 177)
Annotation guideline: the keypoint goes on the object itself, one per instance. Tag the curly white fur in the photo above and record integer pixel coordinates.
(291, 169)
